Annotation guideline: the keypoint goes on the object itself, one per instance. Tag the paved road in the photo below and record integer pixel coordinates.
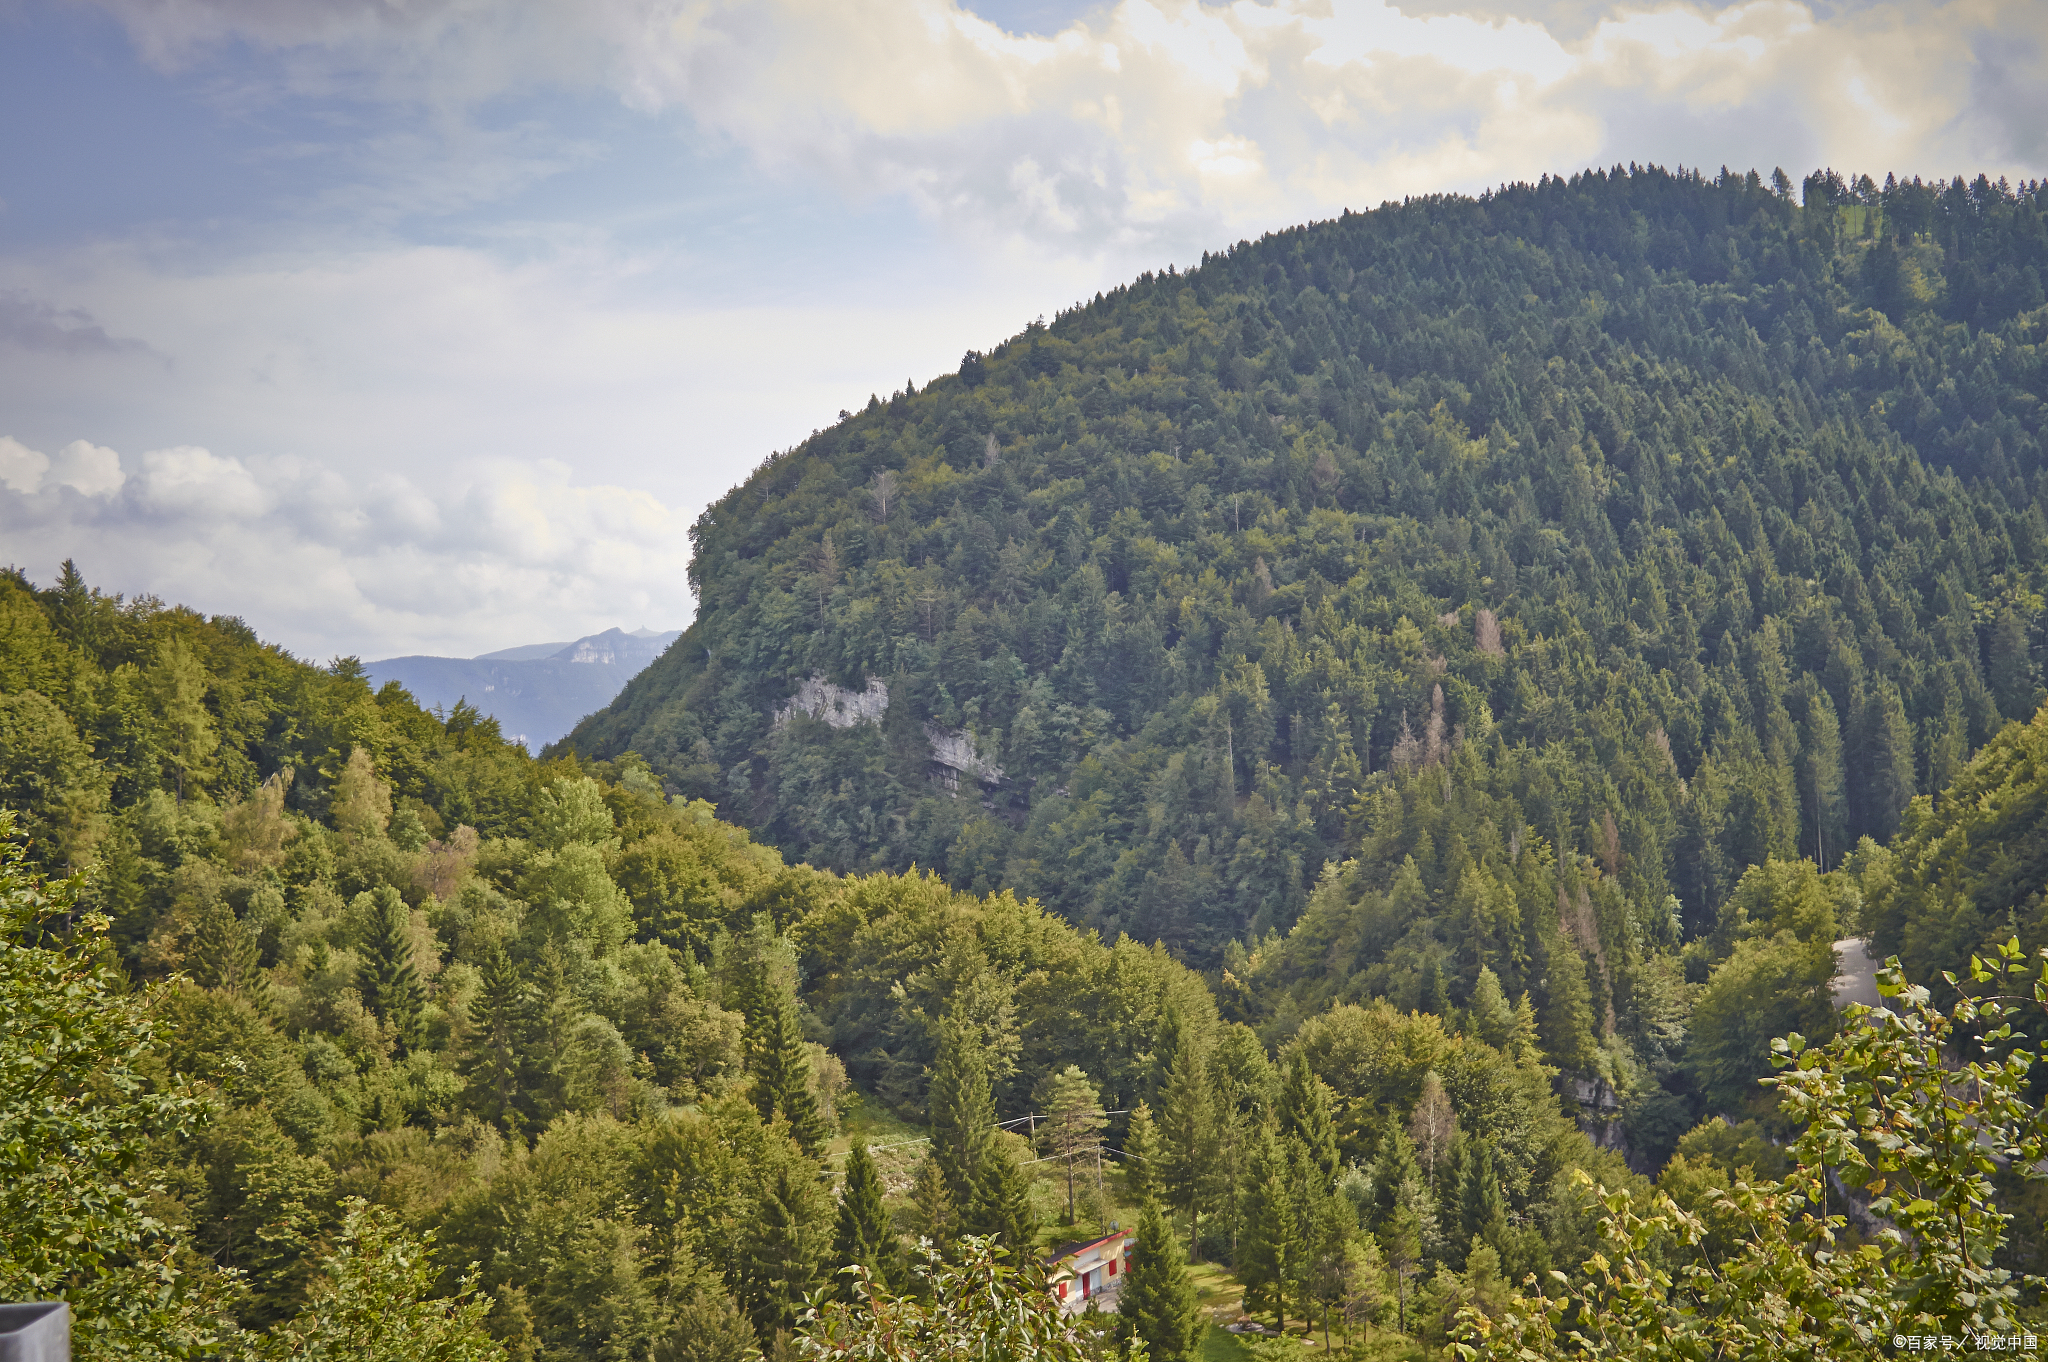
(1857, 983)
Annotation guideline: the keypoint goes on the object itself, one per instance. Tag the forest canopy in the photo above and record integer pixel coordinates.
(1359, 764)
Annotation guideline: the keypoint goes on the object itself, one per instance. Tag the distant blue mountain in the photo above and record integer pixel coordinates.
(536, 692)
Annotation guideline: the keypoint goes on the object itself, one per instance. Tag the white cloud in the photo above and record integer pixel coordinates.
(326, 564)
(363, 439)
(1106, 134)
(81, 465)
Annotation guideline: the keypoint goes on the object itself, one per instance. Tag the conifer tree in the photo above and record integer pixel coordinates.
(864, 1235)
(776, 1053)
(1566, 1020)
(934, 1200)
(1074, 1123)
(498, 1013)
(226, 956)
(1001, 1205)
(1305, 1113)
(1266, 1225)
(1158, 1304)
(1492, 1018)
(963, 1115)
(782, 1068)
(386, 979)
(783, 1250)
(1186, 1128)
(1141, 1156)
(179, 683)
(1482, 1211)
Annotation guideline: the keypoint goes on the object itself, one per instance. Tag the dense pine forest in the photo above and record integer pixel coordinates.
(1350, 763)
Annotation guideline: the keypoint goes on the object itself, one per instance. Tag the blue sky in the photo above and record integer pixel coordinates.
(430, 327)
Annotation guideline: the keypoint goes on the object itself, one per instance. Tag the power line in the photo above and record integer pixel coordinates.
(993, 1125)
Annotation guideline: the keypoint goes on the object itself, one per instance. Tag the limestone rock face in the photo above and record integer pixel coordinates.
(836, 705)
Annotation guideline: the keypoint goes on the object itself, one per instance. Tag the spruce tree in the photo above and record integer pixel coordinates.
(963, 1115)
(1266, 1224)
(1566, 1020)
(782, 1077)
(1141, 1156)
(934, 1200)
(498, 1014)
(1491, 1017)
(1001, 1205)
(226, 956)
(776, 1053)
(864, 1235)
(1305, 1113)
(1482, 1211)
(386, 979)
(1186, 1128)
(1158, 1303)
(782, 1252)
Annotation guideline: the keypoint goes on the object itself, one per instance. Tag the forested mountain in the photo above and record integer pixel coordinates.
(1679, 524)
(1392, 722)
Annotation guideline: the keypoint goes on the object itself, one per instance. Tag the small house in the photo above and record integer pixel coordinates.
(1086, 1268)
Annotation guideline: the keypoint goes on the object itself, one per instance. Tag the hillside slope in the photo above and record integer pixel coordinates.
(1706, 526)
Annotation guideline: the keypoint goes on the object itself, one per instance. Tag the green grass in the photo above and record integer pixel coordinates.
(1220, 1346)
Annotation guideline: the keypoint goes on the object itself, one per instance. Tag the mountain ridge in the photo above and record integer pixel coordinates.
(537, 696)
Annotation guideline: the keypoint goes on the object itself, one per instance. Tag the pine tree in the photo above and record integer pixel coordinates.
(776, 1053)
(1482, 1211)
(1001, 1205)
(1187, 1128)
(498, 1012)
(963, 1115)
(864, 1235)
(386, 979)
(782, 1252)
(1492, 1019)
(1305, 1113)
(1266, 1225)
(227, 956)
(1158, 1303)
(1141, 1157)
(1074, 1123)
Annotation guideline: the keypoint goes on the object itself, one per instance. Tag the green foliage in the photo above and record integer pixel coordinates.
(372, 1304)
(1074, 1124)
(1970, 869)
(1879, 1106)
(1469, 651)
(1157, 1306)
(1636, 497)
(969, 1307)
(1770, 987)
(962, 1113)
(389, 984)
(77, 1119)
(864, 1235)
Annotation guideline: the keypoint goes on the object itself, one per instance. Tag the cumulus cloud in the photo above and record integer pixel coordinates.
(1168, 121)
(326, 563)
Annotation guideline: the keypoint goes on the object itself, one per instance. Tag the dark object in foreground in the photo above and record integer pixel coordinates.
(36, 1332)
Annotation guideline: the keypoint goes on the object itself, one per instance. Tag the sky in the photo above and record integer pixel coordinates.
(430, 326)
